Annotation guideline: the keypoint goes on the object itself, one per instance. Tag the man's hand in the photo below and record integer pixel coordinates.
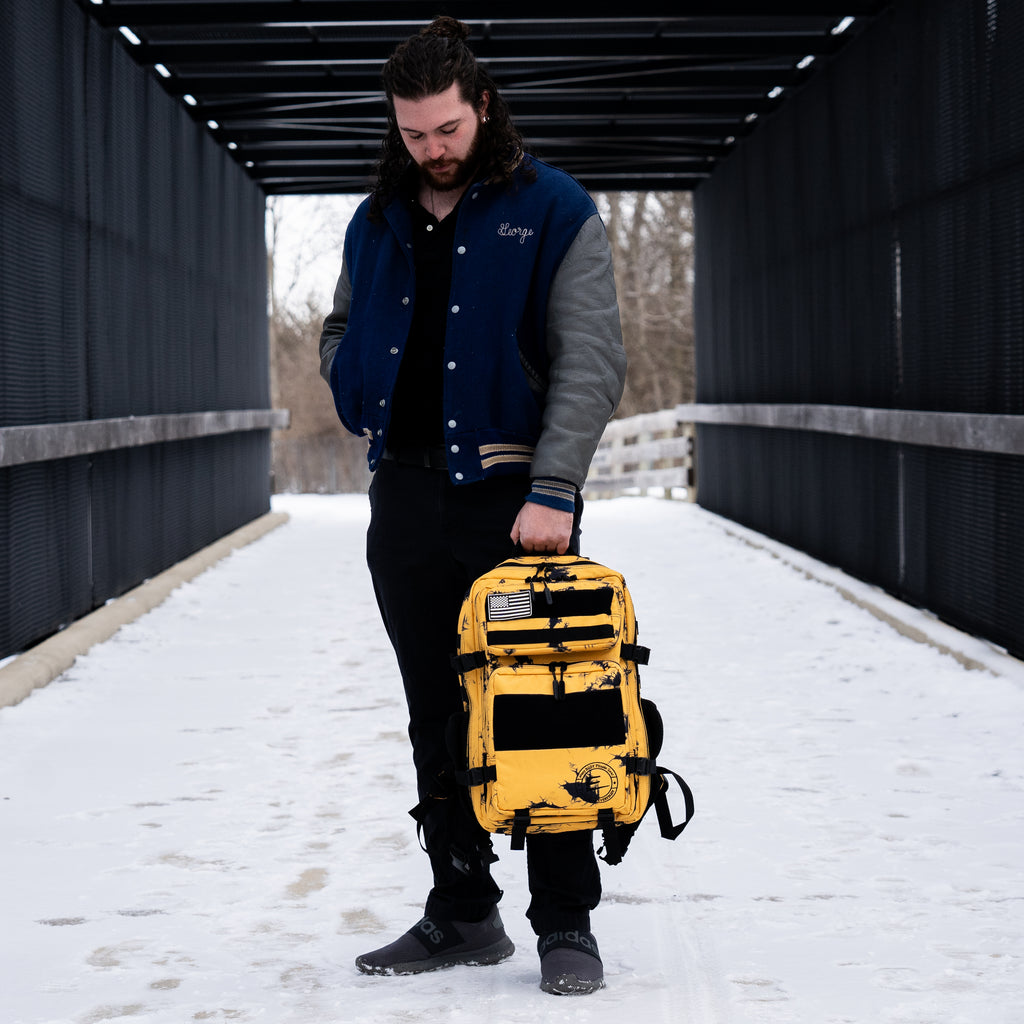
(542, 530)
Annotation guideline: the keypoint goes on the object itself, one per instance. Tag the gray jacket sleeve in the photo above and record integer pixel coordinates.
(335, 322)
(588, 362)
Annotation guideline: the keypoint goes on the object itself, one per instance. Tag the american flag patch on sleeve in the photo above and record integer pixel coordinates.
(517, 605)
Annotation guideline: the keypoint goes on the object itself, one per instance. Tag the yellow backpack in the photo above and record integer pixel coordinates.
(554, 735)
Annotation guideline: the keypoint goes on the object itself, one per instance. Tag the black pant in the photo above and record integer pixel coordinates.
(427, 541)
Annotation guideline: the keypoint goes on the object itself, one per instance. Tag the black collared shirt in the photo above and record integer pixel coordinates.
(418, 405)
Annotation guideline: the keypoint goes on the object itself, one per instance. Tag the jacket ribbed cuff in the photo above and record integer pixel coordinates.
(554, 493)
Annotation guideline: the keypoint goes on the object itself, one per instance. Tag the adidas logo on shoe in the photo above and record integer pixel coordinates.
(570, 964)
(431, 944)
(583, 941)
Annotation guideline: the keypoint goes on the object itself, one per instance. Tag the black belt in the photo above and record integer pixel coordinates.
(427, 456)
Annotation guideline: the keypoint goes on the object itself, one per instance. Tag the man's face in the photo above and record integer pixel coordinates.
(442, 134)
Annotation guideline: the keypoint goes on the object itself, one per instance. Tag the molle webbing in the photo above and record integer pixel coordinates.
(548, 610)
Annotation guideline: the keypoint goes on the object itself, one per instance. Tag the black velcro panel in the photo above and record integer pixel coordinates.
(554, 638)
(539, 722)
(567, 604)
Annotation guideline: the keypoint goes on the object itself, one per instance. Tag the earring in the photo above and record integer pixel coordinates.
(485, 119)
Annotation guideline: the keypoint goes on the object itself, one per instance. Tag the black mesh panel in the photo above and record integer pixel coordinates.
(132, 283)
(865, 246)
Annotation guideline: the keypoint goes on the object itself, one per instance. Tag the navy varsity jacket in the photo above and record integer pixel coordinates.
(534, 364)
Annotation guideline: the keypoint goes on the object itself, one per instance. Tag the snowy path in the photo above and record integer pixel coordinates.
(204, 820)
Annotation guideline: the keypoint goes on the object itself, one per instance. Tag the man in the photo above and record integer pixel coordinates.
(475, 342)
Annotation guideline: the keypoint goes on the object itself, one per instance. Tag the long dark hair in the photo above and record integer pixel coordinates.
(430, 63)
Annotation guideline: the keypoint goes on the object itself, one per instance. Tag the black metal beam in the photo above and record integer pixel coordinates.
(663, 135)
(627, 109)
(602, 182)
(351, 83)
(320, 168)
(555, 49)
(411, 12)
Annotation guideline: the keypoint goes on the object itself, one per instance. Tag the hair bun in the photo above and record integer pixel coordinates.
(447, 28)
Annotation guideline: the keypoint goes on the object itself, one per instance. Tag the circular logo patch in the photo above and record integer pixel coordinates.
(599, 780)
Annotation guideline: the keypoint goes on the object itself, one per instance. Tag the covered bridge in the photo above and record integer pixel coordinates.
(858, 172)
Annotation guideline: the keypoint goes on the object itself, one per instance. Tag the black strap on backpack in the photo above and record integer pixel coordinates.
(664, 812)
(520, 823)
(636, 653)
(611, 832)
(614, 849)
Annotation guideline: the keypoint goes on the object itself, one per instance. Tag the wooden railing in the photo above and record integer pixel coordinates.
(649, 453)
(656, 451)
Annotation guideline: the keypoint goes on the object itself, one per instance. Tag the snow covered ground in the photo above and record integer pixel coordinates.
(204, 820)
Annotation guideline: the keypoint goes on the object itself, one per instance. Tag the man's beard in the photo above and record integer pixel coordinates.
(461, 173)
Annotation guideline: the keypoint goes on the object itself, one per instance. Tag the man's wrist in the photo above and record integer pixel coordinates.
(553, 493)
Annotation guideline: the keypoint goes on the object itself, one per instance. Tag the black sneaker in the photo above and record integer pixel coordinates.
(570, 963)
(431, 944)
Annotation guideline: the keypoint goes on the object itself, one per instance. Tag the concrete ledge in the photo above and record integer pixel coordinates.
(45, 441)
(978, 432)
(43, 663)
